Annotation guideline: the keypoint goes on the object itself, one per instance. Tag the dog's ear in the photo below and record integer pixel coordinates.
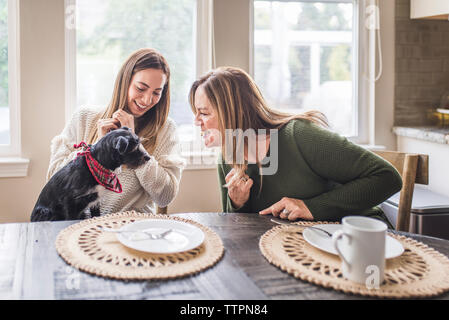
(121, 144)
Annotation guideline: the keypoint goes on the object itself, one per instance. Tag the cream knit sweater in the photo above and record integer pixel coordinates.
(155, 182)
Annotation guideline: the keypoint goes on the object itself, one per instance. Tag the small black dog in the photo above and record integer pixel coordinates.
(79, 185)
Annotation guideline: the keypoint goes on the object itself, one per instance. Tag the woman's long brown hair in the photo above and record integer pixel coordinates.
(240, 105)
(148, 125)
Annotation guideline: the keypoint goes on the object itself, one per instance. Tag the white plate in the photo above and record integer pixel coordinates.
(184, 236)
(318, 239)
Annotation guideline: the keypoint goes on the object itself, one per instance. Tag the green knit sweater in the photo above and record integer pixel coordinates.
(333, 176)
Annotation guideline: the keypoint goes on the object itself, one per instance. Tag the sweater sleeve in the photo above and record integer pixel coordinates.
(226, 202)
(161, 175)
(62, 150)
(363, 179)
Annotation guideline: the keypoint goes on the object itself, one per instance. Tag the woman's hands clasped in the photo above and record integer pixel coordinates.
(239, 189)
(289, 208)
(126, 119)
(119, 119)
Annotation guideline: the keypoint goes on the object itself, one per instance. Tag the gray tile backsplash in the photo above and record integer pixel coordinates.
(421, 66)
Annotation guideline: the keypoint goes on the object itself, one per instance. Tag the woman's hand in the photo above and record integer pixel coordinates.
(125, 119)
(289, 208)
(239, 189)
(106, 125)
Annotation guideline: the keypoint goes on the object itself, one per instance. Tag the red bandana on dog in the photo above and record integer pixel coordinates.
(105, 177)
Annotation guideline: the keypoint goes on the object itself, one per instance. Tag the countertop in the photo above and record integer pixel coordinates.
(432, 134)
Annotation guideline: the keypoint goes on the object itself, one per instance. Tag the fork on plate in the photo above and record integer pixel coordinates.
(150, 235)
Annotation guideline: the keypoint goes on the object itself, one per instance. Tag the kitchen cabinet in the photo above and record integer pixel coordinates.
(429, 9)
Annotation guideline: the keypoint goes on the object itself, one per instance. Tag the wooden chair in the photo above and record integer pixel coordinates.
(414, 168)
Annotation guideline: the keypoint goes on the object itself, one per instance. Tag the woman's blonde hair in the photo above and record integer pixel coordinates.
(239, 104)
(148, 125)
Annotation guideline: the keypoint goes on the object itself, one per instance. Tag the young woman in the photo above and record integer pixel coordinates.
(315, 174)
(140, 101)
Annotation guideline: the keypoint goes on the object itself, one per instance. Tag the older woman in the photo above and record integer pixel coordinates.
(140, 101)
(293, 167)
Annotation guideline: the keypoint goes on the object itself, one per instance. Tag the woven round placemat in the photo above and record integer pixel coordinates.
(419, 272)
(88, 249)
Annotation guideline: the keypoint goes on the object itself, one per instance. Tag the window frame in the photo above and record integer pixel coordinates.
(363, 93)
(13, 149)
(11, 162)
(204, 61)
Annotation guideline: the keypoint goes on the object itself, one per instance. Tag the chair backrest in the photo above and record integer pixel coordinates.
(414, 168)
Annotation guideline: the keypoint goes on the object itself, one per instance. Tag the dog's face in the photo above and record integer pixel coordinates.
(128, 149)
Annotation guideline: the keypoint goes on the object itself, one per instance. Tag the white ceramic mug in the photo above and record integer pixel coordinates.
(361, 246)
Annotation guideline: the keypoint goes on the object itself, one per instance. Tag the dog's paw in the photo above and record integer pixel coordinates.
(95, 211)
(41, 214)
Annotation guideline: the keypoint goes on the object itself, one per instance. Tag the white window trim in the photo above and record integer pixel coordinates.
(205, 48)
(364, 88)
(369, 33)
(366, 78)
(12, 164)
(205, 61)
(70, 57)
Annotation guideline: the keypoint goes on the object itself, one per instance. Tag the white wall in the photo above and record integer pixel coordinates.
(198, 192)
(385, 85)
(231, 30)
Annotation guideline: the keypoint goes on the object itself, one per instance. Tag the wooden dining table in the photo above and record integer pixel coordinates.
(30, 267)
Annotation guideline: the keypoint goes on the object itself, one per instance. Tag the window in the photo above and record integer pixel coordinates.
(10, 146)
(107, 31)
(4, 102)
(11, 163)
(100, 35)
(305, 57)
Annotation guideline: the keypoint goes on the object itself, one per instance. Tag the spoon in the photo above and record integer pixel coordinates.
(294, 225)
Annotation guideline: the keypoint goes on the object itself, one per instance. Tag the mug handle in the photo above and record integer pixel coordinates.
(335, 238)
